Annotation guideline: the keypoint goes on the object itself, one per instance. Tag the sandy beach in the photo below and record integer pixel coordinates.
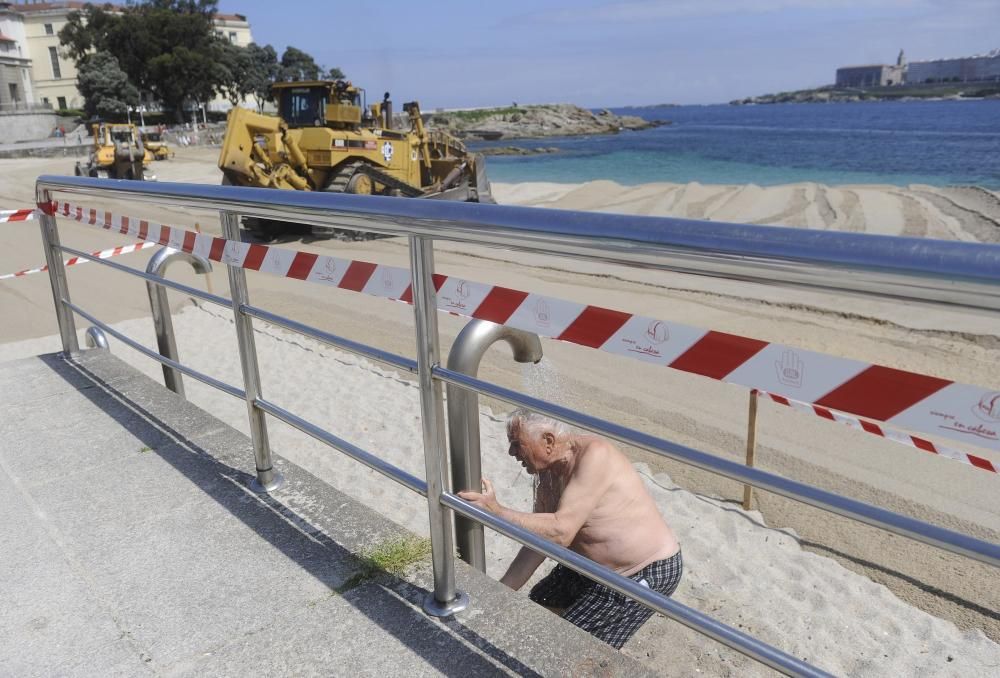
(796, 577)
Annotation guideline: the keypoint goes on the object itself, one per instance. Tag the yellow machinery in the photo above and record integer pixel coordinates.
(324, 139)
(154, 143)
(118, 153)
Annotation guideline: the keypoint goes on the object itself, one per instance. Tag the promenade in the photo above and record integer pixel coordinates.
(132, 546)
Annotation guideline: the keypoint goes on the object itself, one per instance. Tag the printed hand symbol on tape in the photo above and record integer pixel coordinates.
(329, 271)
(790, 369)
(542, 315)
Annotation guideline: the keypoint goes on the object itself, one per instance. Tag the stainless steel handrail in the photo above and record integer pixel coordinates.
(268, 478)
(195, 374)
(948, 540)
(445, 600)
(149, 277)
(402, 477)
(959, 273)
(370, 352)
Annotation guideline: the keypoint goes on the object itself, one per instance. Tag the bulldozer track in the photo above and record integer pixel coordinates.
(343, 177)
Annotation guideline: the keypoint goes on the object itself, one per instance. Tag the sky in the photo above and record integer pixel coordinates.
(595, 53)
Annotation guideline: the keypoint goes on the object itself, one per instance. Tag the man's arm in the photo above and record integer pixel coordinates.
(522, 567)
(589, 482)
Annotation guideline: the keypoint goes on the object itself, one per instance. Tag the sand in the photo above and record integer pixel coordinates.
(806, 587)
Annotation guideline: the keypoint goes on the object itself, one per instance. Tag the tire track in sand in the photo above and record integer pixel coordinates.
(983, 227)
(854, 215)
(792, 215)
(700, 209)
(915, 222)
(825, 208)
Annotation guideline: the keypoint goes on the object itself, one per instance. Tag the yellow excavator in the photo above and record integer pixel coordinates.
(325, 139)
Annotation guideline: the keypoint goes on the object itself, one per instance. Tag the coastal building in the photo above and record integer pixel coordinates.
(15, 63)
(978, 68)
(54, 76)
(875, 75)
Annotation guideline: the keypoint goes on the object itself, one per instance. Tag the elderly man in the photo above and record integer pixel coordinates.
(589, 498)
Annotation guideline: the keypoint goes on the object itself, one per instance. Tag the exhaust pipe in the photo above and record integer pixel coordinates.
(386, 112)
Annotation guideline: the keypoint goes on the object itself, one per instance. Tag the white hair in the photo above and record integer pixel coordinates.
(535, 424)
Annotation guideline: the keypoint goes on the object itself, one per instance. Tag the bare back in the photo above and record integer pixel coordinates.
(623, 530)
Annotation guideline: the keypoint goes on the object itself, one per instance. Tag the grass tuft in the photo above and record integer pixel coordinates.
(393, 557)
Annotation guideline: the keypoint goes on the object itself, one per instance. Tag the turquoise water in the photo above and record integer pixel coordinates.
(939, 143)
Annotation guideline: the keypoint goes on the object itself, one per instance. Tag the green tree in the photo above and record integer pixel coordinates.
(262, 72)
(297, 65)
(106, 91)
(336, 74)
(166, 47)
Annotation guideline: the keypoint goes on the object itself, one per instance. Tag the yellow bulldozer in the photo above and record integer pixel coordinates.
(325, 139)
(156, 145)
(118, 153)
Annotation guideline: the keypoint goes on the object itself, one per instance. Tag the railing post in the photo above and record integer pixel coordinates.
(160, 308)
(57, 272)
(267, 479)
(751, 445)
(444, 600)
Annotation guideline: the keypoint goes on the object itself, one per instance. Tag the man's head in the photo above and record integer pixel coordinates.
(535, 440)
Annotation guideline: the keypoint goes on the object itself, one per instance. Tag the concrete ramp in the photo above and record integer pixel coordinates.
(131, 545)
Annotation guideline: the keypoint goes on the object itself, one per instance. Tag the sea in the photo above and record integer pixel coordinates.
(941, 143)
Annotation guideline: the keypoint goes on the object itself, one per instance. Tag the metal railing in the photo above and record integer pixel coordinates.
(962, 274)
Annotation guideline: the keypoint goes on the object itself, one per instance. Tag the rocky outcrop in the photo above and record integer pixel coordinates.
(831, 94)
(516, 150)
(528, 122)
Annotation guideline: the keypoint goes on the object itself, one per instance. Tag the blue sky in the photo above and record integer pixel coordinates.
(599, 53)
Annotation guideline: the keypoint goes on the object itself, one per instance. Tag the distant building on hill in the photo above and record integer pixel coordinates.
(54, 76)
(876, 75)
(978, 68)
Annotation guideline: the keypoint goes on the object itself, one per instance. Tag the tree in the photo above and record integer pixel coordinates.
(262, 72)
(168, 47)
(106, 91)
(298, 65)
(336, 74)
(235, 62)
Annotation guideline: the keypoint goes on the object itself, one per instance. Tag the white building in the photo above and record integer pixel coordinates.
(54, 76)
(16, 92)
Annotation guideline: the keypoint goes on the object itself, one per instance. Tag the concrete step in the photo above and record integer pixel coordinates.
(133, 546)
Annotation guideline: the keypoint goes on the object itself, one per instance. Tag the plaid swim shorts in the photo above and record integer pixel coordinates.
(603, 612)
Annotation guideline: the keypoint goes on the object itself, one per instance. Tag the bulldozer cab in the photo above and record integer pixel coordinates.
(107, 134)
(122, 134)
(322, 103)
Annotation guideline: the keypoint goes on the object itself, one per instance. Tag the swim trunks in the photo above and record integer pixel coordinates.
(603, 612)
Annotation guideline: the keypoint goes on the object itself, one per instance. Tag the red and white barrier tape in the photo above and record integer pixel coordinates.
(17, 215)
(904, 399)
(73, 261)
(889, 434)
